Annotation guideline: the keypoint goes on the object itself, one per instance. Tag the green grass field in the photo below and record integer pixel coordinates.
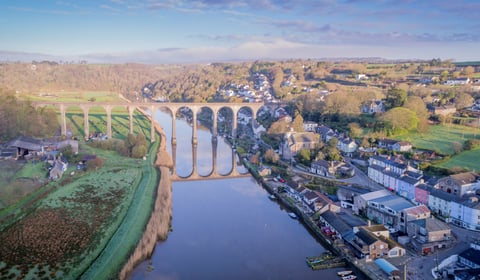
(73, 96)
(466, 159)
(440, 138)
(99, 216)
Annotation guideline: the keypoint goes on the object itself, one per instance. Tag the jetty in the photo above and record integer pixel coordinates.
(325, 261)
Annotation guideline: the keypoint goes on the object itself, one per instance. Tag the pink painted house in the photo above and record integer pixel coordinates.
(421, 194)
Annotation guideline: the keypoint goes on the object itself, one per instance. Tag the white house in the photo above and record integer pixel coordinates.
(310, 126)
(466, 212)
(347, 145)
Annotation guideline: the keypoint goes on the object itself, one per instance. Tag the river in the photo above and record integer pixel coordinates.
(226, 228)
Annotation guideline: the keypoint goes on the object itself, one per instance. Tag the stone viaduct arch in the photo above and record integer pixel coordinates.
(151, 107)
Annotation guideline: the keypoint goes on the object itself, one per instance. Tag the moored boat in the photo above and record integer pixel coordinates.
(272, 197)
(292, 215)
(344, 273)
(349, 277)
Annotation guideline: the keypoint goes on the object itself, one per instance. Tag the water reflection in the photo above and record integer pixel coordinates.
(226, 229)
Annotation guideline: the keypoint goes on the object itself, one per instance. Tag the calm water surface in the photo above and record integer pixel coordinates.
(228, 228)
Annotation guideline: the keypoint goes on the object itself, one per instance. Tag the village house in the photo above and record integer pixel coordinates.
(428, 234)
(27, 147)
(412, 214)
(346, 195)
(394, 175)
(322, 168)
(394, 145)
(57, 170)
(460, 184)
(439, 203)
(372, 107)
(310, 126)
(347, 146)
(444, 110)
(368, 245)
(294, 142)
(457, 82)
(463, 211)
(360, 202)
(333, 225)
(264, 171)
(386, 210)
(402, 146)
(326, 133)
(470, 258)
(406, 185)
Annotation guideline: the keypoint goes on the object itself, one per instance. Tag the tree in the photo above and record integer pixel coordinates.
(303, 156)
(270, 156)
(416, 104)
(355, 130)
(278, 127)
(139, 151)
(457, 147)
(463, 100)
(297, 123)
(331, 150)
(399, 120)
(342, 103)
(365, 143)
(320, 156)
(468, 71)
(395, 98)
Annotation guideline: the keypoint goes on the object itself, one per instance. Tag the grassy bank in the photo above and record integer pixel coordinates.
(126, 237)
(60, 234)
(87, 223)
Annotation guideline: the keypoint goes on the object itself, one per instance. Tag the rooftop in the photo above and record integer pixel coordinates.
(393, 202)
(431, 224)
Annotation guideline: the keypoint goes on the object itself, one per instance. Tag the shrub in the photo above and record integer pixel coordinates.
(94, 163)
(471, 144)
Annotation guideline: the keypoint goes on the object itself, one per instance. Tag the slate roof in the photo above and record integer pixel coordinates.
(471, 255)
(431, 224)
(409, 180)
(336, 222)
(376, 194)
(26, 143)
(393, 202)
(464, 178)
(366, 236)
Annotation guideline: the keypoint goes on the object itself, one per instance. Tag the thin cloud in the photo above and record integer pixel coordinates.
(110, 8)
(40, 11)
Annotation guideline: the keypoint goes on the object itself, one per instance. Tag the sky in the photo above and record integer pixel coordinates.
(178, 31)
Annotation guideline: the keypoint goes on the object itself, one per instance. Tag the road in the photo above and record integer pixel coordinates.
(420, 267)
(360, 178)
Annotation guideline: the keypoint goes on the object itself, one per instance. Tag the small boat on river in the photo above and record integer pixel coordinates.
(272, 197)
(344, 273)
(349, 277)
(292, 215)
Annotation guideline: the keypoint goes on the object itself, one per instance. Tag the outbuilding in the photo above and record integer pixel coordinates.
(391, 270)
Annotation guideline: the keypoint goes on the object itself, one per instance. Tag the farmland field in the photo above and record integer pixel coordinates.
(73, 96)
(63, 233)
(440, 138)
(60, 229)
(466, 159)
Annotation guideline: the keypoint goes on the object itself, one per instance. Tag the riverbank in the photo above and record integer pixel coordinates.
(339, 250)
(159, 223)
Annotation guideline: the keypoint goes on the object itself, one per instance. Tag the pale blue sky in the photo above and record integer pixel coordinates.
(217, 30)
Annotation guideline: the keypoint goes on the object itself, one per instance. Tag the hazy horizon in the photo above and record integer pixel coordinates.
(154, 31)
